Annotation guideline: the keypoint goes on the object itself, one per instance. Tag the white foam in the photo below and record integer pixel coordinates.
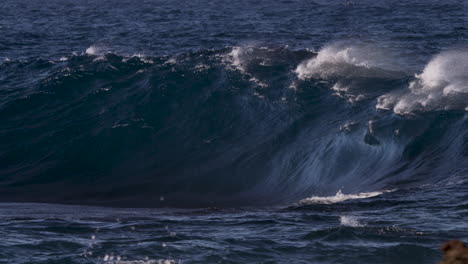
(171, 61)
(443, 85)
(348, 66)
(96, 50)
(201, 67)
(144, 58)
(235, 58)
(350, 221)
(348, 126)
(340, 60)
(339, 197)
(344, 91)
(239, 58)
(235, 54)
(91, 50)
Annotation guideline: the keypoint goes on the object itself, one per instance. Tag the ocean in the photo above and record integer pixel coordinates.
(209, 131)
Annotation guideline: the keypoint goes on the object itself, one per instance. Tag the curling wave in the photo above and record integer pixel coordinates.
(236, 126)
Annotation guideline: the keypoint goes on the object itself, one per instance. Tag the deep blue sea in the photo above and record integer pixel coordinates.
(209, 131)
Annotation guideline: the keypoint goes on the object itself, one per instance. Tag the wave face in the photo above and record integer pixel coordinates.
(245, 125)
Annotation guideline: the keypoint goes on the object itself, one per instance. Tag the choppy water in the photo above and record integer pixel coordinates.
(395, 227)
(257, 131)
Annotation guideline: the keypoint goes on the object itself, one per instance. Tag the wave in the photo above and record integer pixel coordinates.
(229, 127)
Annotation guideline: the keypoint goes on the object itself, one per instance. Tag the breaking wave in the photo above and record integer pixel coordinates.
(443, 85)
(341, 60)
(239, 126)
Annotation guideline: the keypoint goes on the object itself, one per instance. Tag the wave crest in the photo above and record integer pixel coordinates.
(341, 60)
(442, 85)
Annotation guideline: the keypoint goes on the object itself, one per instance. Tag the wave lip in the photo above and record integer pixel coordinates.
(341, 60)
(442, 85)
(356, 72)
(340, 197)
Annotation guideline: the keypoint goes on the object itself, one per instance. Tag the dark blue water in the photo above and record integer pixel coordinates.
(203, 131)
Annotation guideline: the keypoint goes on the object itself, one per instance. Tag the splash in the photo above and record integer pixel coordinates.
(443, 85)
(342, 60)
(350, 221)
(96, 50)
(235, 57)
(356, 73)
(345, 92)
(244, 58)
(339, 197)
